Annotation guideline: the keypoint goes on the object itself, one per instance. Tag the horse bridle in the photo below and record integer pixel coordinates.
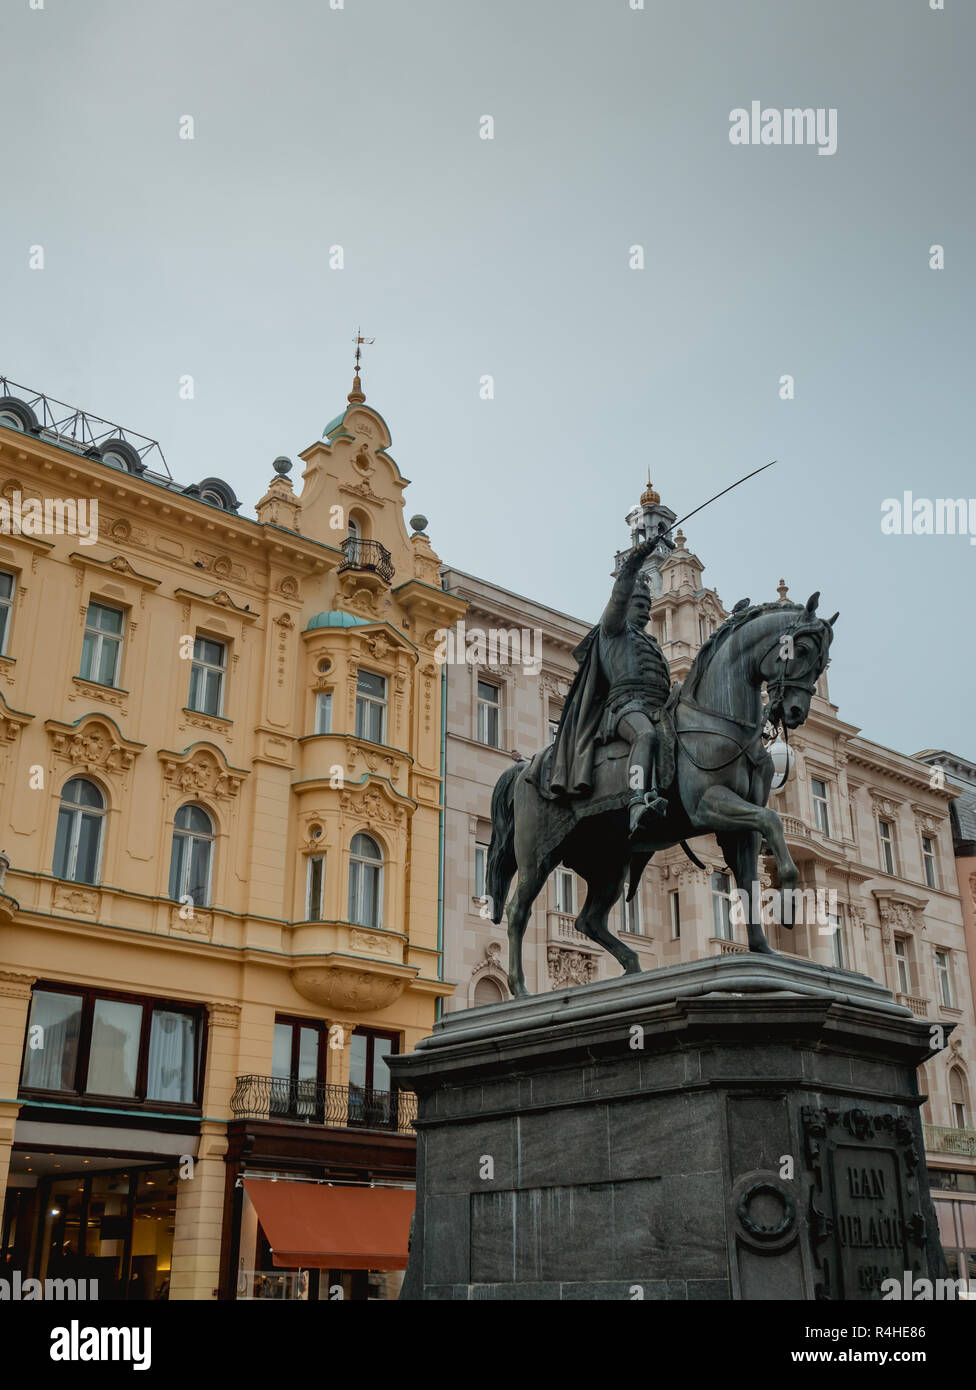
(774, 690)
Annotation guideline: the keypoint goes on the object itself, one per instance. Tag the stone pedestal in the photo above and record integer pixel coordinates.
(744, 1127)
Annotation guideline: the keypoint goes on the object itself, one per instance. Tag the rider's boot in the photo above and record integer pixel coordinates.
(644, 809)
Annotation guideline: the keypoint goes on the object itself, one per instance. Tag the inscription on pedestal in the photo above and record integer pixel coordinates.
(865, 1219)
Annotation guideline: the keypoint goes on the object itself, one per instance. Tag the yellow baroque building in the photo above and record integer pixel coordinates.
(221, 800)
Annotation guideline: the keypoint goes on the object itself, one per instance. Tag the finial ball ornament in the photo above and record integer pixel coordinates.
(418, 522)
(282, 465)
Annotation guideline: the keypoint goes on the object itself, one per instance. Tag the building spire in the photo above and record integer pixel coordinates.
(650, 497)
(356, 395)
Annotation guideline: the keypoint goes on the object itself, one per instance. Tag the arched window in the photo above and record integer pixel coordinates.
(78, 842)
(958, 1099)
(365, 882)
(354, 536)
(487, 991)
(192, 857)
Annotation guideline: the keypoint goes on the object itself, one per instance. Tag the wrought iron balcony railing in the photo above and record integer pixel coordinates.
(367, 555)
(943, 1139)
(315, 1103)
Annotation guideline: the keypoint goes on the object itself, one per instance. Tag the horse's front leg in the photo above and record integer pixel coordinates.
(724, 810)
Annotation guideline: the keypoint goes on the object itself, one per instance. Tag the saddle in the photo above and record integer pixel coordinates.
(666, 742)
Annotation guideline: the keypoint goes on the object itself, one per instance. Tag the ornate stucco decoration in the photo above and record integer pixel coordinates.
(491, 964)
(364, 491)
(348, 984)
(15, 985)
(202, 768)
(11, 722)
(220, 599)
(79, 901)
(224, 1015)
(372, 759)
(570, 967)
(371, 806)
(372, 942)
(885, 806)
(359, 598)
(926, 821)
(899, 913)
(554, 685)
(199, 923)
(118, 567)
(94, 744)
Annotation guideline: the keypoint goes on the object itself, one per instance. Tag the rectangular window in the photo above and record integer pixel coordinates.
(821, 814)
(323, 712)
(130, 1049)
(565, 891)
(943, 975)
(489, 714)
(480, 870)
(297, 1053)
(51, 1055)
(675, 916)
(902, 966)
(837, 948)
(315, 888)
(633, 918)
(371, 707)
(886, 838)
(171, 1074)
(113, 1059)
(554, 718)
(722, 906)
(207, 677)
(7, 584)
(101, 647)
(929, 863)
(372, 1100)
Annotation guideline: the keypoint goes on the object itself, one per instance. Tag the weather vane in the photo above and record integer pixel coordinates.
(359, 340)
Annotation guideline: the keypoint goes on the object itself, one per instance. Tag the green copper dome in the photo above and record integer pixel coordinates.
(336, 619)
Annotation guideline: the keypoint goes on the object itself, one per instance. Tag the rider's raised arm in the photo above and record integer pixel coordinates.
(615, 613)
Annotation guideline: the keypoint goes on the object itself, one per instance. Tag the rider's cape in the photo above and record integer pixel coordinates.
(571, 765)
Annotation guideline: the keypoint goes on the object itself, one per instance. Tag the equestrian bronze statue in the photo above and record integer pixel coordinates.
(639, 765)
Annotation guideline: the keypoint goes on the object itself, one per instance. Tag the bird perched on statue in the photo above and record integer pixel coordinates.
(741, 605)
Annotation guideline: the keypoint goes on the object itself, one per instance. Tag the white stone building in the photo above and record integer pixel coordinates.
(863, 822)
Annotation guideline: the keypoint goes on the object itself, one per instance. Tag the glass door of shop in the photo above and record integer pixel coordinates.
(115, 1228)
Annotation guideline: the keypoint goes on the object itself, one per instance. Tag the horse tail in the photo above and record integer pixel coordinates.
(501, 851)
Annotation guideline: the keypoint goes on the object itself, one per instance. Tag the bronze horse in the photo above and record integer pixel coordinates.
(722, 778)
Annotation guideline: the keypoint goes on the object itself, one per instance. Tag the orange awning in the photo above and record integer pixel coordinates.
(312, 1226)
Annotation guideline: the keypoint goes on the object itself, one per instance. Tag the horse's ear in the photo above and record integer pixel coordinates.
(812, 602)
(831, 621)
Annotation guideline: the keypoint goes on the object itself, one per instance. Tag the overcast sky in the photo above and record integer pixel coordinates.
(466, 257)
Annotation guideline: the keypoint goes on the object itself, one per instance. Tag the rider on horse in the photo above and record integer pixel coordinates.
(622, 682)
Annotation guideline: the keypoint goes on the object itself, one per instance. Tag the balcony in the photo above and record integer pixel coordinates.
(942, 1139)
(918, 1006)
(562, 927)
(726, 947)
(367, 559)
(316, 1103)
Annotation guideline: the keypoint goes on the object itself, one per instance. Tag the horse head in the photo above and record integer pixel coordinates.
(793, 662)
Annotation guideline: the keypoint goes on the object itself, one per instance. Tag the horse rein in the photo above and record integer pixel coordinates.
(775, 691)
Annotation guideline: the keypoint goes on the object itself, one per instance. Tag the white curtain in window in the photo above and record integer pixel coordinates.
(170, 1057)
